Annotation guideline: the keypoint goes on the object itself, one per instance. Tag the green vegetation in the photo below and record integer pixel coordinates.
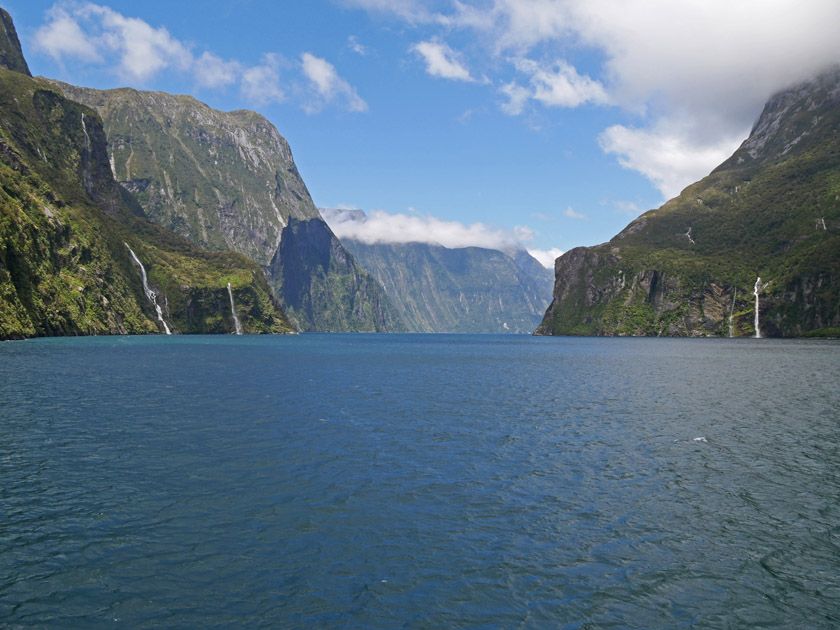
(227, 181)
(772, 210)
(64, 225)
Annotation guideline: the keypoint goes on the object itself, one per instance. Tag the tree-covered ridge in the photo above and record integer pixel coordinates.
(690, 267)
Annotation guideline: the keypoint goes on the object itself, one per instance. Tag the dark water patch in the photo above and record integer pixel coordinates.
(419, 481)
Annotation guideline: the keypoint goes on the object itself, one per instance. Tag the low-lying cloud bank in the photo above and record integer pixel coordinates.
(380, 227)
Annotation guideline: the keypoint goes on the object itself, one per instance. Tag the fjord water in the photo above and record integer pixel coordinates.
(419, 481)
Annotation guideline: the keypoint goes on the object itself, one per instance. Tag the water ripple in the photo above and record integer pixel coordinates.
(419, 481)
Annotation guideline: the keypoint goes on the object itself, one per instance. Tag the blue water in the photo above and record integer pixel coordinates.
(419, 481)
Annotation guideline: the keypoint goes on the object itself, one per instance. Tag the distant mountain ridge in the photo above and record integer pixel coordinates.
(455, 290)
(692, 267)
(227, 180)
(77, 254)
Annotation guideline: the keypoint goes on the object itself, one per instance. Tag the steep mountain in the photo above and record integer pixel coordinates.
(463, 290)
(77, 256)
(692, 267)
(227, 180)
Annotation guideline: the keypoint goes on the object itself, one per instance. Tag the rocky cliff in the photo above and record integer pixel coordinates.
(460, 290)
(227, 181)
(77, 256)
(692, 267)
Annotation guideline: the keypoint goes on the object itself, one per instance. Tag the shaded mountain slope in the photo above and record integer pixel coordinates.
(455, 290)
(227, 180)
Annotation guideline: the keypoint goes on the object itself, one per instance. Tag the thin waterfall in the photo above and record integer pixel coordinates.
(150, 295)
(236, 321)
(86, 158)
(732, 316)
(759, 286)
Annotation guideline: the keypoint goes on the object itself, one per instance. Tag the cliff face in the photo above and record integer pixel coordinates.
(463, 290)
(11, 55)
(71, 239)
(313, 271)
(690, 268)
(227, 181)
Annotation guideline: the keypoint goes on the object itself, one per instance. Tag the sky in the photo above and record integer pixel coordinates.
(551, 123)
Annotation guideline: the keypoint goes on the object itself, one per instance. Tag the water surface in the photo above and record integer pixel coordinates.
(419, 481)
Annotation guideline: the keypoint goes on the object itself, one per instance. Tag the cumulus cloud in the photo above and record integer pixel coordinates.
(442, 61)
(328, 86)
(546, 257)
(62, 37)
(381, 227)
(666, 155)
(261, 84)
(695, 73)
(137, 52)
(214, 72)
(554, 85)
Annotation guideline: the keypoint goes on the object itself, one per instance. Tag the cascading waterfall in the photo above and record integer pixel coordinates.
(237, 324)
(150, 295)
(759, 286)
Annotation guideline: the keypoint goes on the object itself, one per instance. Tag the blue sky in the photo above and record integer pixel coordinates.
(553, 122)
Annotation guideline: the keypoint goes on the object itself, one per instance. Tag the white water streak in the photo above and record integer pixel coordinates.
(150, 295)
(732, 316)
(759, 286)
(236, 322)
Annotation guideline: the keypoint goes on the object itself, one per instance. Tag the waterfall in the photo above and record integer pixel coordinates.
(759, 286)
(88, 182)
(150, 295)
(732, 315)
(236, 321)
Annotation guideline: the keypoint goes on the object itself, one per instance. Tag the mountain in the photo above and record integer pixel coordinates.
(77, 256)
(227, 181)
(460, 290)
(692, 267)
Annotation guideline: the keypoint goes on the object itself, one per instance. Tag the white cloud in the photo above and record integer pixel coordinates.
(261, 84)
(442, 61)
(143, 50)
(546, 257)
(517, 98)
(137, 52)
(554, 85)
(357, 47)
(62, 37)
(381, 227)
(328, 85)
(666, 155)
(710, 65)
(214, 72)
(575, 215)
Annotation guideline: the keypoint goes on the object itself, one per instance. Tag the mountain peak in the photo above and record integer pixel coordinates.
(11, 55)
(789, 118)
